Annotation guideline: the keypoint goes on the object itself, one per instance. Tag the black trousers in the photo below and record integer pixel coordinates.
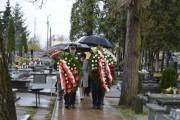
(97, 96)
(70, 98)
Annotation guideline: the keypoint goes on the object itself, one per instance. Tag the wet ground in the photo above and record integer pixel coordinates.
(26, 105)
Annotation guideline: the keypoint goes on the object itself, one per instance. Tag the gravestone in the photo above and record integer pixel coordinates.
(39, 78)
(137, 104)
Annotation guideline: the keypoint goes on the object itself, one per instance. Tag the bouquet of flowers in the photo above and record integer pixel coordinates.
(102, 68)
(70, 72)
(157, 75)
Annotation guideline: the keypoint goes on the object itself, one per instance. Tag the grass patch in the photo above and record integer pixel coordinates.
(127, 111)
(51, 108)
(150, 84)
(29, 110)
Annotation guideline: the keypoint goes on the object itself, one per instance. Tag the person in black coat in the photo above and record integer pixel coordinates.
(71, 97)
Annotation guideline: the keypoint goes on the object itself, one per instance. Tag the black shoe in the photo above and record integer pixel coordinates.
(94, 107)
(73, 106)
(81, 99)
(67, 106)
(98, 107)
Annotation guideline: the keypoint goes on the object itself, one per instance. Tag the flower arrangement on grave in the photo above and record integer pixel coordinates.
(102, 67)
(157, 75)
(70, 72)
(20, 60)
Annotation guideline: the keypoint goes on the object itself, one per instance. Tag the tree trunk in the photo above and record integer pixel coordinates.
(151, 62)
(157, 61)
(168, 57)
(7, 105)
(132, 54)
(162, 61)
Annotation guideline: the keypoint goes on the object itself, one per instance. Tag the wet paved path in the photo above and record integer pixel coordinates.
(84, 111)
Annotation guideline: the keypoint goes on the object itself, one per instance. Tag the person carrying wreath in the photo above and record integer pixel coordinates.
(101, 71)
(70, 71)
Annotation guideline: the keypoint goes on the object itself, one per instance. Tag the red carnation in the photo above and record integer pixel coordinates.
(56, 55)
(75, 71)
(69, 86)
(74, 85)
(77, 78)
(69, 90)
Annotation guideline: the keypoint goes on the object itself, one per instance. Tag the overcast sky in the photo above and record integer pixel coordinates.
(59, 17)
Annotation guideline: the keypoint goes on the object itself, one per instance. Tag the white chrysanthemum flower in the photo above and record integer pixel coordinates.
(66, 79)
(65, 58)
(92, 60)
(71, 68)
(74, 65)
(92, 65)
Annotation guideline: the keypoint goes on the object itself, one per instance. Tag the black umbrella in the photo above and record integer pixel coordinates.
(80, 48)
(95, 40)
(59, 46)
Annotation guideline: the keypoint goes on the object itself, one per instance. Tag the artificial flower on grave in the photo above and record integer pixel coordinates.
(102, 66)
(70, 72)
(20, 60)
(157, 75)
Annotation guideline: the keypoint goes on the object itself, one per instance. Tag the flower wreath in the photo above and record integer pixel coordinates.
(102, 68)
(70, 72)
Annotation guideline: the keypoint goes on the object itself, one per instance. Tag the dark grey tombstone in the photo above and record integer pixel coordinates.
(39, 78)
(137, 104)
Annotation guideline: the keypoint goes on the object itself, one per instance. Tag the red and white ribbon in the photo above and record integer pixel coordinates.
(61, 75)
(101, 72)
(64, 67)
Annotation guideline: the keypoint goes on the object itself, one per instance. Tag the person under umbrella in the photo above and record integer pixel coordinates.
(70, 97)
(84, 79)
(95, 40)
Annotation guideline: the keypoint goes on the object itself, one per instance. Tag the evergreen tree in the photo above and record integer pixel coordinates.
(6, 16)
(84, 16)
(11, 39)
(7, 104)
(112, 24)
(19, 23)
(160, 28)
(76, 26)
(23, 48)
